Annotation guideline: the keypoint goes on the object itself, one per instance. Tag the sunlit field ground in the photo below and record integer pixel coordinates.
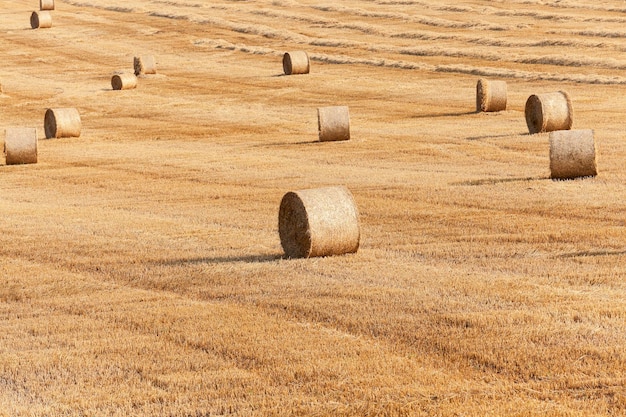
(141, 272)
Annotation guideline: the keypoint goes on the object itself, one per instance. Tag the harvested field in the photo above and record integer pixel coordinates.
(141, 271)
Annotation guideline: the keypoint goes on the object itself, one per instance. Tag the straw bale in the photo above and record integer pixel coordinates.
(124, 81)
(318, 222)
(62, 123)
(333, 123)
(144, 65)
(549, 112)
(296, 62)
(41, 20)
(490, 95)
(20, 145)
(572, 154)
(46, 4)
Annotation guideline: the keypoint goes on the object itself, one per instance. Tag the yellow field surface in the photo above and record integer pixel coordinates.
(141, 271)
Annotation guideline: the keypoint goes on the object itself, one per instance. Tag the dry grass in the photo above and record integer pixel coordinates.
(141, 271)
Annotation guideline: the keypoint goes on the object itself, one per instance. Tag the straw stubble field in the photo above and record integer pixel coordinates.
(141, 270)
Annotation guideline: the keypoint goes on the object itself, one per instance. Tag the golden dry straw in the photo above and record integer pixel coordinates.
(62, 123)
(124, 81)
(318, 222)
(572, 154)
(41, 20)
(549, 112)
(333, 123)
(46, 4)
(144, 65)
(20, 145)
(296, 62)
(490, 95)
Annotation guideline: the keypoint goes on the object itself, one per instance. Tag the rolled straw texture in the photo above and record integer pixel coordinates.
(572, 154)
(296, 62)
(490, 95)
(318, 222)
(144, 65)
(46, 4)
(62, 123)
(549, 112)
(333, 123)
(123, 81)
(20, 145)
(41, 20)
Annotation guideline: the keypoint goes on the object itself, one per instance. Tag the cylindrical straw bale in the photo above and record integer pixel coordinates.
(62, 123)
(549, 112)
(144, 65)
(333, 123)
(572, 154)
(124, 81)
(318, 222)
(41, 20)
(20, 145)
(490, 95)
(296, 62)
(46, 4)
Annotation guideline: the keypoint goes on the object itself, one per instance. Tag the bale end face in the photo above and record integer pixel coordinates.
(20, 146)
(572, 154)
(318, 222)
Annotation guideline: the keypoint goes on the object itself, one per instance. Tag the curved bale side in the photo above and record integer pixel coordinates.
(20, 145)
(41, 20)
(318, 222)
(296, 62)
(123, 81)
(491, 96)
(549, 112)
(144, 65)
(46, 4)
(62, 123)
(572, 154)
(333, 123)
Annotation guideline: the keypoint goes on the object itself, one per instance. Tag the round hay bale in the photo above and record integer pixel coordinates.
(144, 65)
(20, 145)
(62, 123)
(296, 62)
(46, 4)
(318, 222)
(123, 81)
(572, 154)
(490, 95)
(549, 112)
(41, 20)
(333, 123)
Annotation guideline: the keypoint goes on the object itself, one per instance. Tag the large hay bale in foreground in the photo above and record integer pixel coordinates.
(333, 123)
(20, 145)
(549, 112)
(490, 95)
(318, 222)
(41, 20)
(296, 62)
(144, 65)
(46, 4)
(124, 81)
(572, 154)
(62, 123)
